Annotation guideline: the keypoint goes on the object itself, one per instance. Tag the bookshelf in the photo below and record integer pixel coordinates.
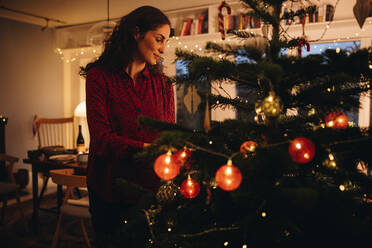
(200, 20)
(189, 22)
(185, 22)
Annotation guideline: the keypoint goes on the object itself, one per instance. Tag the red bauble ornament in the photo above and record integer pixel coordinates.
(337, 120)
(165, 167)
(190, 188)
(248, 147)
(301, 150)
(228, 177)
(181, 157)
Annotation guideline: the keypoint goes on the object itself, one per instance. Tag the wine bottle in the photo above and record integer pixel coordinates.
(80, 146)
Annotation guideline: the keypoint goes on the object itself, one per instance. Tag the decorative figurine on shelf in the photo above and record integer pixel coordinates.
(221, 27)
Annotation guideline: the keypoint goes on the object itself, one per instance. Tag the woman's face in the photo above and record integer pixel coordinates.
(152, 45)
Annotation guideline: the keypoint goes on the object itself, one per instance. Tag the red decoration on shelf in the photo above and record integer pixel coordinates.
(165, 166)
(301, 150)
(248, 147)
(181, 158)
(221, 27)
(303, 42)
(337, 120)
(190, 188)
(228, 177)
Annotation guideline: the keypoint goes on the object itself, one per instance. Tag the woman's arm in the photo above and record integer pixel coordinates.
(170, 108)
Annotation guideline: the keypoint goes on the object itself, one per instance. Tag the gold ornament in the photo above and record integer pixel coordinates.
(271, 105)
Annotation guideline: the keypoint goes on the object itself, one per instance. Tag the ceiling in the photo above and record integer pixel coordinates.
(72, 12)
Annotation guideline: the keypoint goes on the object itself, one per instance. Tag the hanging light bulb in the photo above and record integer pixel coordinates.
(165, 167)
(228, 177)
(190, 188)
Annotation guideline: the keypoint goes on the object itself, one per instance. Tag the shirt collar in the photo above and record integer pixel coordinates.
(145, 72)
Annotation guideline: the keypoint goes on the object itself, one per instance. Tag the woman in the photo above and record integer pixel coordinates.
(125, 82)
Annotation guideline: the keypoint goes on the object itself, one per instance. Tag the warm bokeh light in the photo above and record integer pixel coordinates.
(301, 150)
(337, 120)
(181, 158)
(228, 177)
(165, 167)
(190, 188)
(248, 147)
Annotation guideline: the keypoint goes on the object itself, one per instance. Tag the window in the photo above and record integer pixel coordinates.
(348, 46)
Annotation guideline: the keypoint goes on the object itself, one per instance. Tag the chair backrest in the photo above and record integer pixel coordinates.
(67, 177)
(55, 132)
(9, 163)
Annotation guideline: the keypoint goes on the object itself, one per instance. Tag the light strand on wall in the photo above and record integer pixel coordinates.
(75, 54)
(195, 47)
(176, 42)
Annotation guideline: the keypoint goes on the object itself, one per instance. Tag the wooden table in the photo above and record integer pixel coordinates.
(44, 167)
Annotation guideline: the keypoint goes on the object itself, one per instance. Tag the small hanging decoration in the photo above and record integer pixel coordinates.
(221, 27)
(228, 177)
(362, 10)
(207, 116)
(190, 188)
(192, 99)
(303, 41)
(362, 167)
(337, 120)
(271, 105)
(301, 150)
(181, 157)
(167, 193)
(248, 147)
(260, 117)
(165, 166)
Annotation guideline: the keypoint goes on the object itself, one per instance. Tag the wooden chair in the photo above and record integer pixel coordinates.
(78, 208)
(10, 187)
(53, 132)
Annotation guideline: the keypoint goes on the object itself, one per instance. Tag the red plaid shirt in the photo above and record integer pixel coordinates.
(113, 106)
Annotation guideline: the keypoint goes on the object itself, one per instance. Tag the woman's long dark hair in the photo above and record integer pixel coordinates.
(119, 48)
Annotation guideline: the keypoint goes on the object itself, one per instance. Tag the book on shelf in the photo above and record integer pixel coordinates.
(186, 27)
(195, 26)
(322, 13)
(239, 21)
(200, 24)
(330, 11)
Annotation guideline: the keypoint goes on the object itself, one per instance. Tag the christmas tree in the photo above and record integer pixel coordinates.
(291, 170)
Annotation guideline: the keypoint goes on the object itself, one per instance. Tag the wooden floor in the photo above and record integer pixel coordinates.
(12, 233)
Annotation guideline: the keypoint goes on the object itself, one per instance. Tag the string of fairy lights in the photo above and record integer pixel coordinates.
(167, 163)
(72, 55)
